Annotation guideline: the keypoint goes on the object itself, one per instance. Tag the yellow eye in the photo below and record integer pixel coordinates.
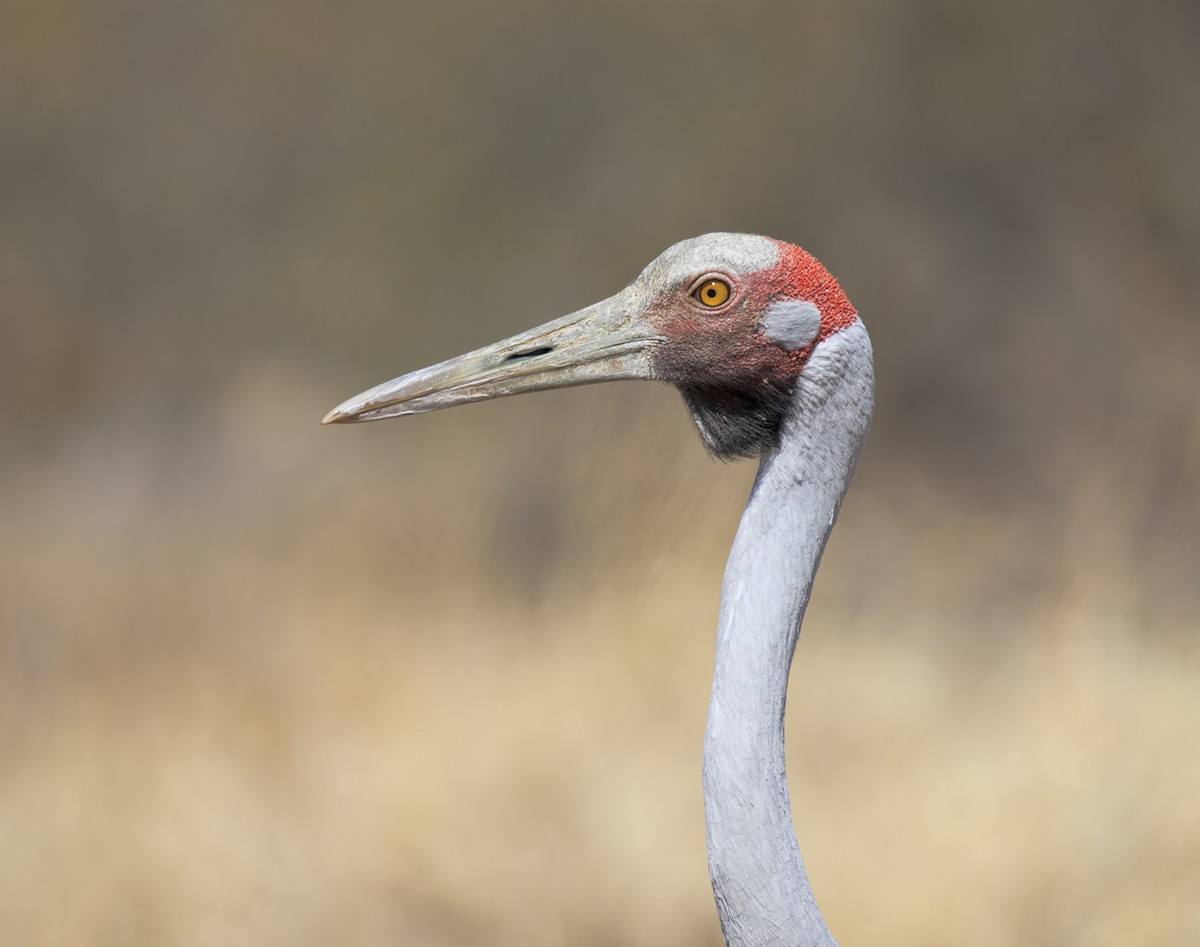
(712, 293)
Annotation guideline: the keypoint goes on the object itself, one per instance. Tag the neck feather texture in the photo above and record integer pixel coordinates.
(762, 891)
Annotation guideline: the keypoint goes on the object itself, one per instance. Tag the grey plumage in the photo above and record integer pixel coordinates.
(775, 362)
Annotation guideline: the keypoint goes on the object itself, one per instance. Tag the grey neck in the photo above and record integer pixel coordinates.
(762, 890)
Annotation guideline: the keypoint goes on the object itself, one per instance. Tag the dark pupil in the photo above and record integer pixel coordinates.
(711, 293)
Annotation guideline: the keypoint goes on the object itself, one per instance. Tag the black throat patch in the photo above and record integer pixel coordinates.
(736, 422)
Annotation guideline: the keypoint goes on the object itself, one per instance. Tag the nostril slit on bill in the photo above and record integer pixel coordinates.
(530, 353)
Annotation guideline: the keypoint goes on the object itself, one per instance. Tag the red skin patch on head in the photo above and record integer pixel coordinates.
(727, 347)
(800, 275)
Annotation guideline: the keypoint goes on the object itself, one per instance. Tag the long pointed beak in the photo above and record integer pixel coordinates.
(604, 342)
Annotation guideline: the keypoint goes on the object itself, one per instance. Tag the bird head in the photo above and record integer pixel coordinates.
(729, 319)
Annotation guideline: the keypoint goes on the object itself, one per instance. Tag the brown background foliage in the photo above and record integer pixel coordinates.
(443, 681)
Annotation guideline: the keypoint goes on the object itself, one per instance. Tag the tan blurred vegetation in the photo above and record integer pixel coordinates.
(443, 681)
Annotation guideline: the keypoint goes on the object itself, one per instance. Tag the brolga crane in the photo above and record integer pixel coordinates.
(772, 360)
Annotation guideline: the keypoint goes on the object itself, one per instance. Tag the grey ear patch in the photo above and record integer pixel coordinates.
(792, 323)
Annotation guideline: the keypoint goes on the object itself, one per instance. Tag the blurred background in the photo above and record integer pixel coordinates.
(443, 681)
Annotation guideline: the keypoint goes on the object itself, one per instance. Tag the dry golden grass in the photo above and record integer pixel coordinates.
(444, 682)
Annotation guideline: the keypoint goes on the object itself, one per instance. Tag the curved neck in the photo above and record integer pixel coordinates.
(762, 891)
